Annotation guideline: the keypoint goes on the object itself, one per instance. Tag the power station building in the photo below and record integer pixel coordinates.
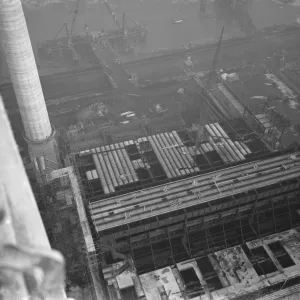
(211, 212)
(162, 207)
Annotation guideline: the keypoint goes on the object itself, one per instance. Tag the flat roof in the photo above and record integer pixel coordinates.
(143, 204)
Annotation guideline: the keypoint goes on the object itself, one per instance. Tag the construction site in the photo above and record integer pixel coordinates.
(177, 188)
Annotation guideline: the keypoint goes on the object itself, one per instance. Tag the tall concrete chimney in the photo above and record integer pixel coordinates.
(25, 79)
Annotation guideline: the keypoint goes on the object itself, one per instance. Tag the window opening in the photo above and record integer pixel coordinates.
(193, 287)
(260, 260)
(209, 274)
(281, 255)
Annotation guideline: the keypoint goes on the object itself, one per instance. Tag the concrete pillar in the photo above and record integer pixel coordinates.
(23, 71)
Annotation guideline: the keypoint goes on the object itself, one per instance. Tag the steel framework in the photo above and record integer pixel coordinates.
(164, 246)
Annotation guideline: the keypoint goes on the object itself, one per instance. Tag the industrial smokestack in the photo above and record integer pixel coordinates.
(23, 71)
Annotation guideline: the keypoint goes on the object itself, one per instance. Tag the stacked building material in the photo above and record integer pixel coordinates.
(114, 167)
(172, 154)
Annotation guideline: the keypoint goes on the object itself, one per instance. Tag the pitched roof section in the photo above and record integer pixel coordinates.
(124, 209)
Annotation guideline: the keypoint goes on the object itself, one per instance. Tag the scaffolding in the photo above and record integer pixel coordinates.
(155, 249)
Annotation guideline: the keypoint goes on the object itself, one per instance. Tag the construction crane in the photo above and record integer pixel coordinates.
(65, 26)
(112, 13)
(70, 33)
(215, 61)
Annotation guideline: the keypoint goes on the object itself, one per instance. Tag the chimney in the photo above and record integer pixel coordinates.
(25, 79)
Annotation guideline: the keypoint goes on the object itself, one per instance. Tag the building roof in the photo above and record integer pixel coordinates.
(117, 165)
(131, 207)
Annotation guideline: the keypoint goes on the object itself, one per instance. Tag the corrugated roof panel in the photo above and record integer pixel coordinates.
(128, 163)
(113, 165)
(123, 170)
(170, 149)
(167, 149)
(161, 158)
(127, 173)
(108, 164)
(245, 147)
(230, 142)
(204, 148)
(185, 154)
(192, 150)
(219, 149)
(224, 142)
(240, 147)
(105, 171)
(216, 141)
(181, 153)
(146, 203)
(100, 172)
(94, 174)
(89, 175)
(209, 147)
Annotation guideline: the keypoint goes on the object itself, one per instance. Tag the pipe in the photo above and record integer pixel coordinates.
(23, 71)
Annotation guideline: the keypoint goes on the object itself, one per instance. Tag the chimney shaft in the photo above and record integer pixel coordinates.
(23, 71)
